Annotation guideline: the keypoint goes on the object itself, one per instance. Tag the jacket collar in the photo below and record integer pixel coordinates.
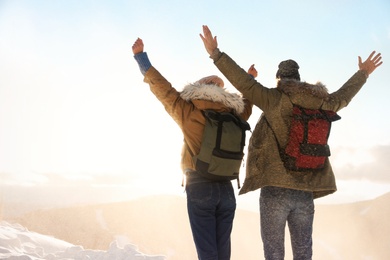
(293, 87)
(311, 96)
(205, 96)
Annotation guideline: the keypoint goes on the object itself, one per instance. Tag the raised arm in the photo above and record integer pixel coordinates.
(343, 96)
(211, 44)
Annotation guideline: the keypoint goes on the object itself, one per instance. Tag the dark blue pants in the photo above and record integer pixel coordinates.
(278, 206)
(211, 207)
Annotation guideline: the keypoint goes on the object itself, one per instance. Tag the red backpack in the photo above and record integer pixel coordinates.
(307, 147)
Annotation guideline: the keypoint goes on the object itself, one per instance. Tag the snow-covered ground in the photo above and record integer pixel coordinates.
(18, 243)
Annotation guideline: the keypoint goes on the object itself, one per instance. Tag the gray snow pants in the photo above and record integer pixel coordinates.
(278, 206)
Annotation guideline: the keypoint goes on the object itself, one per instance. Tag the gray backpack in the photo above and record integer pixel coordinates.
(221, 152)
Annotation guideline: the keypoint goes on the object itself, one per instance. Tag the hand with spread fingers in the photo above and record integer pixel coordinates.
(371, 63)
(210, 42)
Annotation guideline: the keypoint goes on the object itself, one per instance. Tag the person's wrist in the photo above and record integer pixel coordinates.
(215, 54)
(365, 72)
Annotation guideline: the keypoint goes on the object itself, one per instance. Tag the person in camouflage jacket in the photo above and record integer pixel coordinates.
(286, 196)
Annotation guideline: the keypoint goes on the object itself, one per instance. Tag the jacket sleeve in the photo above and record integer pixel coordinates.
(341, 98)
(248, 109)
(167, 95)
(260, 96)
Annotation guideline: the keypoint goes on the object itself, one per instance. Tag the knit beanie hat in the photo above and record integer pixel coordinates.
(288, 69)
(211, 80)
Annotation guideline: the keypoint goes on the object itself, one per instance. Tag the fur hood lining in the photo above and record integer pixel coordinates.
(292, 87)
(213, 93)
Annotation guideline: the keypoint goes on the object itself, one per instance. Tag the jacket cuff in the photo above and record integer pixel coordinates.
(216, 55)
(143, 62)
(365, 73)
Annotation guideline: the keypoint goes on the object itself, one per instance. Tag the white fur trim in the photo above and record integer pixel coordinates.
(197, 91)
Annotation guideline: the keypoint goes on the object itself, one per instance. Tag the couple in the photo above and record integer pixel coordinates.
(286, 196)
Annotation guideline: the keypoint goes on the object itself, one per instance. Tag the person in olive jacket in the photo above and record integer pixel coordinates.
(286, 196)
(211, 204)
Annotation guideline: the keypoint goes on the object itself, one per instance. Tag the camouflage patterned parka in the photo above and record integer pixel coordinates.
(264, 165)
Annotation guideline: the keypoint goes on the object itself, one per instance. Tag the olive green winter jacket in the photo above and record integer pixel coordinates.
(264, 165)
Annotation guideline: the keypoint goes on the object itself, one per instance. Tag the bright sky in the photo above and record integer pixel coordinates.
(74, 108)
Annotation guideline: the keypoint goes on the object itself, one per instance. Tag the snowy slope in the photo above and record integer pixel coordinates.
(17, 242)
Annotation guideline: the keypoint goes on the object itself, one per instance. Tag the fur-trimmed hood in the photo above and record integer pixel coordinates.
(304, 94)
(212, 93)
(292, 87)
